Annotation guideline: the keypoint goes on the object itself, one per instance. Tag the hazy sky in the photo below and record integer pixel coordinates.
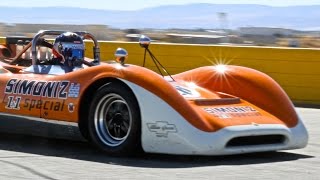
(139, 4)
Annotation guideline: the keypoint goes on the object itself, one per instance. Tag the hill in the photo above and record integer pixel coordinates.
(173, 16)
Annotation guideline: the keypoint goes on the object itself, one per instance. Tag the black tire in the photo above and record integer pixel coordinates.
(114, 120)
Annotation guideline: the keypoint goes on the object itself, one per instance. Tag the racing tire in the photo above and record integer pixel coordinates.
(114, 120)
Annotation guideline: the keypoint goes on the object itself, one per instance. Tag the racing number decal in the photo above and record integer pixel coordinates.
(13, 102)
(186, 92)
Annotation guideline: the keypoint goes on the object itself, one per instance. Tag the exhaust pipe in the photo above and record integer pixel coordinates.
(5, 52)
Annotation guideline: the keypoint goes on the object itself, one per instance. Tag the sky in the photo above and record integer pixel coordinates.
(140, 4)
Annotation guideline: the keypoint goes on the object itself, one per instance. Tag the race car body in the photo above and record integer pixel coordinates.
(121, 108)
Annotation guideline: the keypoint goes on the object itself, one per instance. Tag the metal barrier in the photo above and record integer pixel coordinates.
(297, 70)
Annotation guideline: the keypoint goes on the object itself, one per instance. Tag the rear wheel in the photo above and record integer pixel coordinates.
(114, 119)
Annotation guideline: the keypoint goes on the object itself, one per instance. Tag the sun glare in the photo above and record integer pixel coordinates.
(191, 85)
(220, 68)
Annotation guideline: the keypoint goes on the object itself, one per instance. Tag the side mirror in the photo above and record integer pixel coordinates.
(144, 41)
(121, 55)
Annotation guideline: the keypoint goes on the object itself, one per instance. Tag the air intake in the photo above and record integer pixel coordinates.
(256, 140)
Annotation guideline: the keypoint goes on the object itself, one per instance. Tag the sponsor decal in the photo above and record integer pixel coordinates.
(14, 102)
(31, 104)
(50, 89)
(77, 42)
(74, 90)
(74, 45)
(162, 128)
(231, 112)
(59, 90)
(71, 107)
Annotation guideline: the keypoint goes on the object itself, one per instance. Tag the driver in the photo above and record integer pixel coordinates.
(68, 50)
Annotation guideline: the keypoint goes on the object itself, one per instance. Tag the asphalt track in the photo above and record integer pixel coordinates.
(30, 157)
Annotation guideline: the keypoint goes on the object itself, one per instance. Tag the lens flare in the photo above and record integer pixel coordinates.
(218, 56)
(191, 85)
(220, 68)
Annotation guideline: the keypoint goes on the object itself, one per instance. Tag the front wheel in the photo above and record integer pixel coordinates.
(114, 119)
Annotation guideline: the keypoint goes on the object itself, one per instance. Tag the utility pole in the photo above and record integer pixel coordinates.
(223, 19)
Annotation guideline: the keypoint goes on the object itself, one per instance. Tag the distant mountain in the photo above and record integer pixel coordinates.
(173, 16)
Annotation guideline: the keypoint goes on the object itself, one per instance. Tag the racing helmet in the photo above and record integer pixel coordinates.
(69, 48)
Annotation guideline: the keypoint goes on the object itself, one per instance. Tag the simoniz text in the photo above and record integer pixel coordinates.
(50, 89)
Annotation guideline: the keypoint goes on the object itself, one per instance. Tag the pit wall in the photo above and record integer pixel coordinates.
(297, 70)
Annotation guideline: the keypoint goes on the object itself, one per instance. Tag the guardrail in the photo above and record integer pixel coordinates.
(297, 70)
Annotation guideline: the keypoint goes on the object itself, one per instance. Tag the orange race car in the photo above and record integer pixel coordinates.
(122, 108)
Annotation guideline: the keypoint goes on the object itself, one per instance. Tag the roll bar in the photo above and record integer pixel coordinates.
(85, 35)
